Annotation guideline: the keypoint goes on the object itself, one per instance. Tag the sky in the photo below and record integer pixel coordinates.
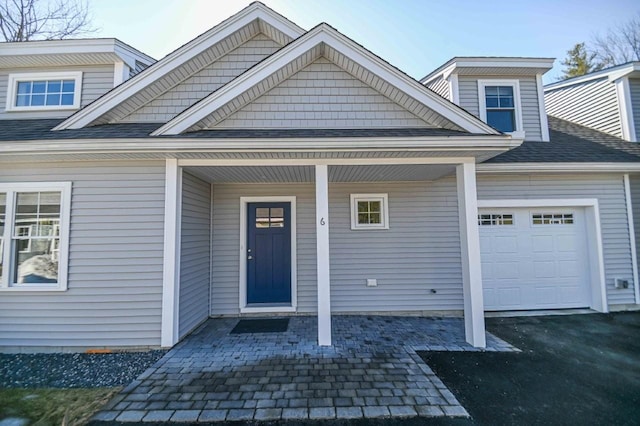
(416, 36)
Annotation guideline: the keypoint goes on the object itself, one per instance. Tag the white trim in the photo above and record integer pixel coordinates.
(612, 74)
(623, 92)
(516, 100)
(454, 63)
(242, 284)
(544, 121)
(632, 236)
(120, 73)
(384, 214)
(178, 57)
(594, 237)
(454, 88)
(322, 255)
(171, 257)
(12, 88)
(558, 167)
(65, 226)
(321, 34)
(470, 252)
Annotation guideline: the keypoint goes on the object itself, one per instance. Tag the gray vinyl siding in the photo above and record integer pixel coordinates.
(225, 293)
(322, 95)
(634, 86)
(469, 100)
(441, 87)
(607, 188)
(175, 100)
(194, 253)
(419, 253)
(592, 104)
(114, 291)
(634, 183)
(96, 81)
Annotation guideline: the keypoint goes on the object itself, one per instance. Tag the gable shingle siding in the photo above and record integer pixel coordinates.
(202, 83)
(322, 95)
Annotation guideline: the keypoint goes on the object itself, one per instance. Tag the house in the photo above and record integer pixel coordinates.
(262, 169)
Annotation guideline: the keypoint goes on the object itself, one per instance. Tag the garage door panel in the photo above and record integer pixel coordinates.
(537, 261)
(544, 269)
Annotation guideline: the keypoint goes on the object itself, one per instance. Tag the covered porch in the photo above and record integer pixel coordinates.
(424, 258)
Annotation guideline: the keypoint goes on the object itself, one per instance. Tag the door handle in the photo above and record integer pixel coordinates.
(249, 257)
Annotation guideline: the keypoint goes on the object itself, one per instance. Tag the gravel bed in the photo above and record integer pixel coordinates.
(74, 370)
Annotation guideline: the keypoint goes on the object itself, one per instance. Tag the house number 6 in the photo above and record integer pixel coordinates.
(322, 222)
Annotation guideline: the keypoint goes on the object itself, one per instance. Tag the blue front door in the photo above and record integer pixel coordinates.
(269, 253)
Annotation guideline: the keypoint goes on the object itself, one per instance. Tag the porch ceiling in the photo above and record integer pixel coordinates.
(306, 174)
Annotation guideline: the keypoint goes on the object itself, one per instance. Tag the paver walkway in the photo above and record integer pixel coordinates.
(372, 370)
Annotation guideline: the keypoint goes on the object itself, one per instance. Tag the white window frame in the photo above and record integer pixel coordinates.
(384, 213)
(14, 79)
(11, 189)
(517, 103)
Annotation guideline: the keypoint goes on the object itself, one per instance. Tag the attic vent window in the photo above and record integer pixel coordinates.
(500, 104)
(44, 91)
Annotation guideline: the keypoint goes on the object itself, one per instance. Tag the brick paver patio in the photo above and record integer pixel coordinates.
(372, 370)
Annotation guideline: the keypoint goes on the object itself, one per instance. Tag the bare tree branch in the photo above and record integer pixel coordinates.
(24, 20)
(619, 45)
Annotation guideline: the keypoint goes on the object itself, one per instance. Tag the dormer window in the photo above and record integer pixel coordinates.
(44, 91)
(500, 104)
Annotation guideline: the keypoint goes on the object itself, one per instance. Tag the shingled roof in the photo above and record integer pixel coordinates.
(572, 143)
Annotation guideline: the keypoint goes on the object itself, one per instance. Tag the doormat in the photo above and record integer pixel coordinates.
(245, 326)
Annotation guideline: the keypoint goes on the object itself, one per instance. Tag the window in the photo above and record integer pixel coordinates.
(369, 211)
(44, 91)
(495, 219)
(34, 229)
(267, 217)
(552, 219)
(500, 104)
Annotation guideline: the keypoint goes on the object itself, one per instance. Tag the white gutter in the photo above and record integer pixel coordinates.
(211, 145)
(558, 167)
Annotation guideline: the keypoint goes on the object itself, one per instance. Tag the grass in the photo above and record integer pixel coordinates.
(44, 407)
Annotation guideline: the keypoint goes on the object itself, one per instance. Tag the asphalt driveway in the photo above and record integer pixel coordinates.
(574, 369)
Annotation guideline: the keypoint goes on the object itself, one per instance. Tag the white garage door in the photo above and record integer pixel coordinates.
(534, 258)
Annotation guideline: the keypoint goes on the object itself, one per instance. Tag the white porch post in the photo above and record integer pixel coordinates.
(470, 251)
(322, 247)
(171, 261)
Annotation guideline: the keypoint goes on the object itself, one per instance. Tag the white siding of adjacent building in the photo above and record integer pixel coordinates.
(96, 81)
(115, 260)
(468, 92)
(592, 104)
(194, 253)
(608, 189)
(322, 95)
(175, 100)
(634, 186)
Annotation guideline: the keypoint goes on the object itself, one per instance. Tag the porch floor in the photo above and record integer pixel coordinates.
(372, 370)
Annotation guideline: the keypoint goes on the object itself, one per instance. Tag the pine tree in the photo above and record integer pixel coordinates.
(579, 61)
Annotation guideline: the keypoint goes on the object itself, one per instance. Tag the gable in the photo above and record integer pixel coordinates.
(182, 64)
(203, 82)
(321, 95)
(362, 65)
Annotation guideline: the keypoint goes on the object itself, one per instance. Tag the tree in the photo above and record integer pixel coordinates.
(620, 44)
(24, 20)
(579, 61)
